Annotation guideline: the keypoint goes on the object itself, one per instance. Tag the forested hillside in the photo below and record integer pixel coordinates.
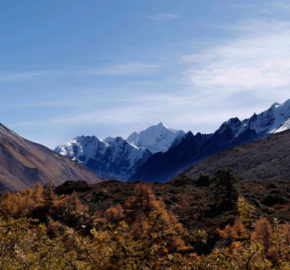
(60, 228)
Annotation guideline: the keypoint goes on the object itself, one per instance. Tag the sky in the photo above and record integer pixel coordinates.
(110, 67)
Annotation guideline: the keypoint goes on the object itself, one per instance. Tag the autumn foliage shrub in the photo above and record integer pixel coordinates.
(141, 234)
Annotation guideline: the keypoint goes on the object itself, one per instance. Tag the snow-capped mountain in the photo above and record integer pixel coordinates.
(112, 158)
(273, 120)
(194, 148)
(117, 158)
(158, 153)
(156, 138)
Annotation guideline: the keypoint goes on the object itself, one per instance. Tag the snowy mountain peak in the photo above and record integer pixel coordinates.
(273, 120)
(115, 157)
(157, 138)
(81, 148)
(156, 128)
(161, 125)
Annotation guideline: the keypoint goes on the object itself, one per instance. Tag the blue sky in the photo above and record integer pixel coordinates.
(108, 67)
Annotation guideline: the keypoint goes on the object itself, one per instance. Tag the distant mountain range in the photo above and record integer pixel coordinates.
(23, 163)
(159, 153)
(194, 148)
(155, 154)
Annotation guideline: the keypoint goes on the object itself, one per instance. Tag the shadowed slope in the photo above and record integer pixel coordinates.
(264, 159)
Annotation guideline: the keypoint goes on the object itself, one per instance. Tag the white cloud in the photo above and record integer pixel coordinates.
(257, 61)
(163, 17)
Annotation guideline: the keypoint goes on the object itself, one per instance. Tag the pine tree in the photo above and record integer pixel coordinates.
(224, 189)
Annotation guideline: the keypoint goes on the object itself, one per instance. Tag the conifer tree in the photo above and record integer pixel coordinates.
(224, 189)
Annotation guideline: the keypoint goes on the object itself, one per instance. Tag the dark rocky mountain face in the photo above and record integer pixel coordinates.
(268, 158)
(191, 149)
(119, 169)
(23, 163)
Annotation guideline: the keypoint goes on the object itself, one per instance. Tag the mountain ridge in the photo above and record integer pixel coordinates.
(117, 158)
(158, 153)
(232, 132)
(24, 162)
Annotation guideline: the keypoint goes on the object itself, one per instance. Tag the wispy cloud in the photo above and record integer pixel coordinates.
(258, 61)
(123, 69)
(233, 78)
(163, 17)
